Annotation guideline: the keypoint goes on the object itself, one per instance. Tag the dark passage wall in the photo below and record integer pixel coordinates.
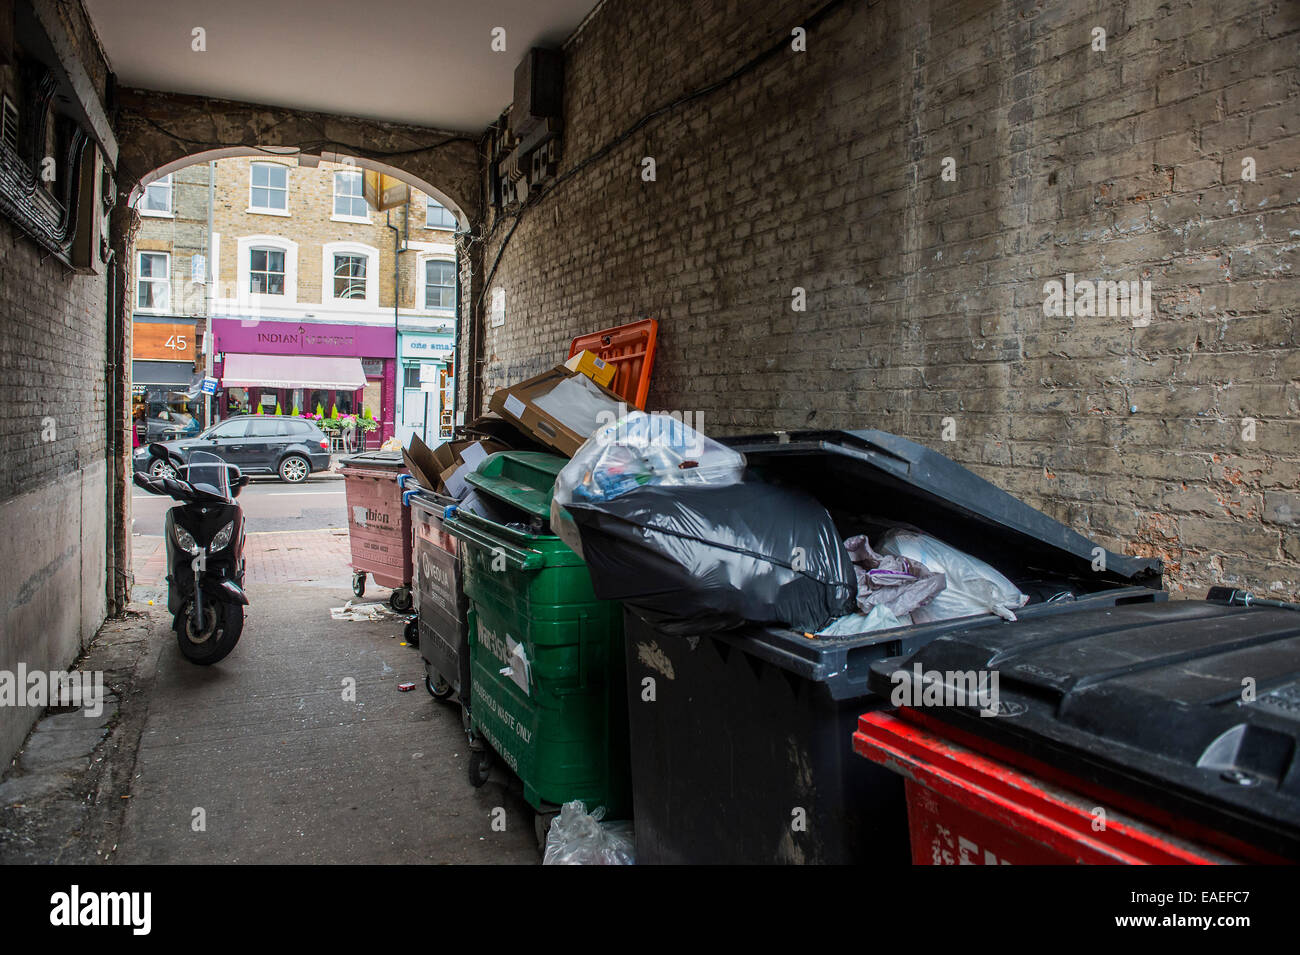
(1170, 434)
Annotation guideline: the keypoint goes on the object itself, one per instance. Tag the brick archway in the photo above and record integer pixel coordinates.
(160, 132)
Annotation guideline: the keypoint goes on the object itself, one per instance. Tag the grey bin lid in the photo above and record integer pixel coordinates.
(373, 459)
(860, 473)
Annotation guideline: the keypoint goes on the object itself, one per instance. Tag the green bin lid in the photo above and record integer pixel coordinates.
(525, 479)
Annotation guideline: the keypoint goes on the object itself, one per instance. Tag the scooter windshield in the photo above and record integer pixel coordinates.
(208, 473)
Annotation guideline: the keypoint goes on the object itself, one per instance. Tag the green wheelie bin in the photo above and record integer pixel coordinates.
(548, 681)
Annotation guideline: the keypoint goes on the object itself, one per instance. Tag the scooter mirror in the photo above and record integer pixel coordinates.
(239, 485)
(156, 450)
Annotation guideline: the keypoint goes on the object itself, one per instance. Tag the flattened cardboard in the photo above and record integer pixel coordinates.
(515, 404)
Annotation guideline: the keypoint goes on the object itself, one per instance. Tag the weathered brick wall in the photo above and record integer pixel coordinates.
(53, 467)
(925, 298)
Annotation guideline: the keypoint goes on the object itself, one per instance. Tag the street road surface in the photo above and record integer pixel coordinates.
(269, 505)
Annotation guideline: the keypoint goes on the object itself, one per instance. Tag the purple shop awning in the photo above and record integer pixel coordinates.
(292, 371)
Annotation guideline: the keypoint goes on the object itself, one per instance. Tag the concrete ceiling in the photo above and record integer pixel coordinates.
(427, 62)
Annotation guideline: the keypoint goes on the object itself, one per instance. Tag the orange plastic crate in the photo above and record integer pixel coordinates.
(631, 350)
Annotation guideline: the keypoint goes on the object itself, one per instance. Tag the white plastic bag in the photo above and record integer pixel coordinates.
(578, 837)
(578, 404)
(636, 450)
(973, 587)
(880, 617)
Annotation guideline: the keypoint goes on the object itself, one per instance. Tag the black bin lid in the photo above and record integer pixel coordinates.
(1146, 700)
(878, 473)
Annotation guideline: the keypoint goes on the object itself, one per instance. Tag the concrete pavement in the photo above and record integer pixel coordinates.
(266, 757)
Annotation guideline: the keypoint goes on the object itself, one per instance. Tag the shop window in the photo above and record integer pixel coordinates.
(268, 188)
(157, 198)
(437, 216)
(439, 284)
(266, 271)
(410, 376)
(350, 276)
(349, 199)
(153, 282)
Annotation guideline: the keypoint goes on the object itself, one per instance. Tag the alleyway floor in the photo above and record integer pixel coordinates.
(260, 758)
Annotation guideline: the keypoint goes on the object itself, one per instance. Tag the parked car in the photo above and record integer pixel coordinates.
(256, 444)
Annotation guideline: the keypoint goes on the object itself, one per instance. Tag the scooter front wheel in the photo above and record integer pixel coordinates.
(222, 625)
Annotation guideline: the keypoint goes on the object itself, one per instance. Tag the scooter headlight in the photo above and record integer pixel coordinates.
(223, 537)
(185, 539)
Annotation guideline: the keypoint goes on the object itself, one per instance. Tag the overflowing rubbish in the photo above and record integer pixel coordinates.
(895, 583)
(973, 587)
(715, 557)
(369, 611)
(637, 450)
(578, 837)
(878, 618)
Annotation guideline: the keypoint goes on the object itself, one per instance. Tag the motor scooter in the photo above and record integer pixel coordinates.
(205, 551)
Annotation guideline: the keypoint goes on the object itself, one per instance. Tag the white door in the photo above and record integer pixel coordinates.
(415, 400)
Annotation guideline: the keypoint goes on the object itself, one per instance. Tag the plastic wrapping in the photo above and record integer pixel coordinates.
(578, 837)
(973, 587)
(578, 404)
(886, 580)
(636, 450)
(850, 625)
(697, 558)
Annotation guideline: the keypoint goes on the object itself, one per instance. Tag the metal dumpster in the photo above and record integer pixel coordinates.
(379, 527)
(546, 657)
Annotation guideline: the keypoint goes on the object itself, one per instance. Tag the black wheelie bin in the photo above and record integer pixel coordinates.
(744, 751)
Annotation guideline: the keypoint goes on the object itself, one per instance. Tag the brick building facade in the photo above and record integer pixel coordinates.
(298, 246)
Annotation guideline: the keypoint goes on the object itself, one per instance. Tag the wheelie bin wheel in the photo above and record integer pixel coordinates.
(400, 600)
(359, 584)
(412, 632)
(480, 765)
(439, 689)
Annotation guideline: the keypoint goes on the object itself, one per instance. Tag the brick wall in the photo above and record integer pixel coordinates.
(925, 298)
(53, 467)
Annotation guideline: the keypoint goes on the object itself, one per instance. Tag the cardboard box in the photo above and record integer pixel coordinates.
(516, 404)
(437, 468)
(594, 367)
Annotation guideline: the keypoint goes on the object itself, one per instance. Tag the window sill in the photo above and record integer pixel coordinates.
(283, 213)
(354, 219)
(156, 215)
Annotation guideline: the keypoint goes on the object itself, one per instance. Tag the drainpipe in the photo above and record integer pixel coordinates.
(397, 277)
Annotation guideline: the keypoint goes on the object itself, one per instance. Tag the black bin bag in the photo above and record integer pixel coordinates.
(711, 558)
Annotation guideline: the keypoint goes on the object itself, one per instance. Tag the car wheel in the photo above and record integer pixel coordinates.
(161, 469)
(294, 469)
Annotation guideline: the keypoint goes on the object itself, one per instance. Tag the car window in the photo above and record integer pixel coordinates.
(266, 428)
(230, 429)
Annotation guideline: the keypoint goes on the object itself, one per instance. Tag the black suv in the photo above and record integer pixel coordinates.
(256, 444)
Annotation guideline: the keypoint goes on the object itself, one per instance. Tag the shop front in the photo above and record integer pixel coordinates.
(427, 384)
(277, 367)
(164, 385)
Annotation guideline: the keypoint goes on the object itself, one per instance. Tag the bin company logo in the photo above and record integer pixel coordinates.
(42, 689)
(75, 908)
(950, 688)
